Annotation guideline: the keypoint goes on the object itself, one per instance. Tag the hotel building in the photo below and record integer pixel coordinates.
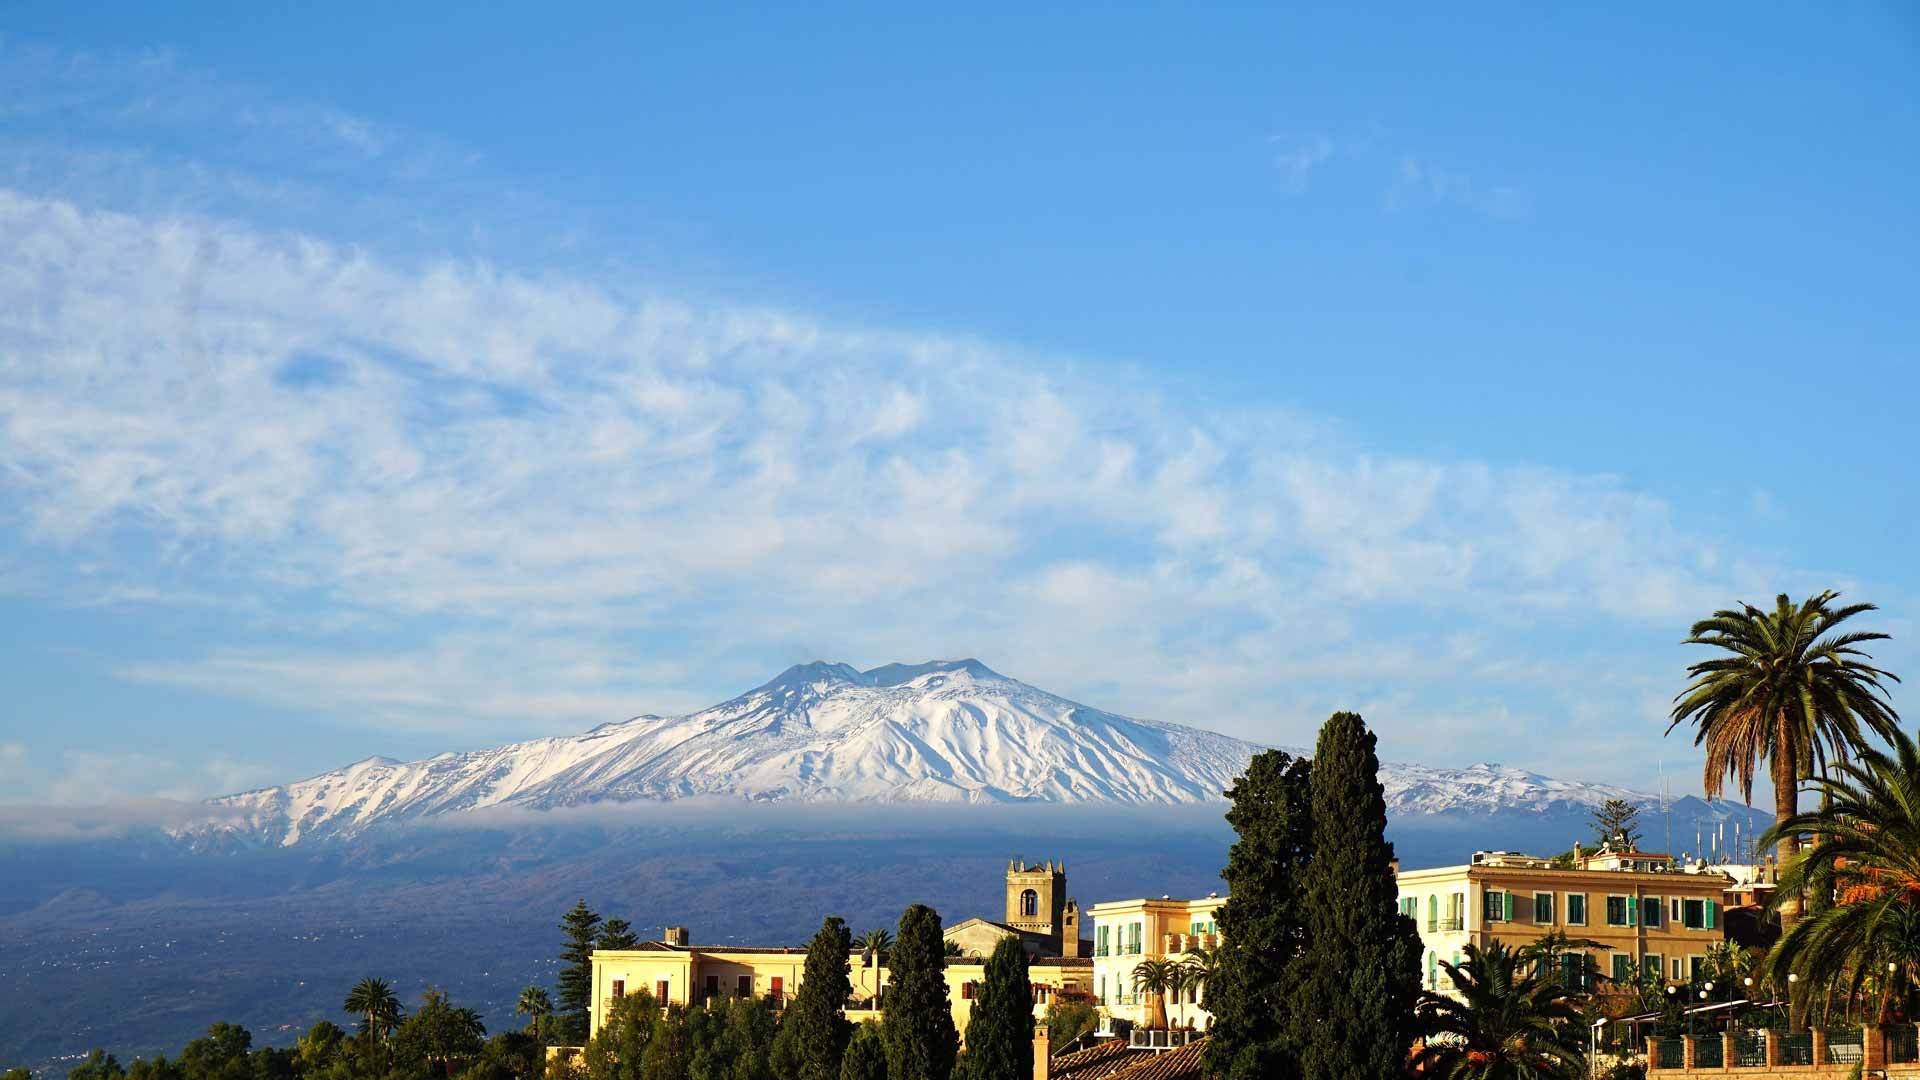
(1127, 932)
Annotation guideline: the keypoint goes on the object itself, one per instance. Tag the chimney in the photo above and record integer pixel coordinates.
(1576, 854)
(675, 935)
(1042, 1052)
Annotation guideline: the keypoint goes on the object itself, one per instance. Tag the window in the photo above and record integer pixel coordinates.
(1433, 971)
(1679, 969)
(713, 986)
(1622, 967)
(1694, 964)
(1576, 909)
(1433, 913)
(1133, 938)
(1543, 908)
(1496, 904)
(775, 988)
(1029, 904)
(1651, 964)
(1698, 914)
(745, 988)
(660, 992)
(966, 991)
(1618, 910)
(1677, 917)
(1100, 942)
(1103, 989)
(1650, 912)
(619, 988)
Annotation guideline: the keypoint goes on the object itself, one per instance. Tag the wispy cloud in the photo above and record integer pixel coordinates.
(1295, 157)
(1422, 183)
(1407, 179)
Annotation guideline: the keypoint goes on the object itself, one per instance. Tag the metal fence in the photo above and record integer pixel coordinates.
(1796, 1049)
(1672, 1053)
(1843, 1046)
(1903, 1044)
(1708, 1052)
(1749, 1049)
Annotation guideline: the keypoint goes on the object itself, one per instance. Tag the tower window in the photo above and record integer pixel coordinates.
(1029, 904)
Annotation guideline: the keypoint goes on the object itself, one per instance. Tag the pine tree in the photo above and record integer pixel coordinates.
(1000, 1031)
(1352, 1006)
(1617, 822)
(866, 1055)
(576, 972)
(1261, 927)
(815, 1029)
(919, 1032)
(617, 934)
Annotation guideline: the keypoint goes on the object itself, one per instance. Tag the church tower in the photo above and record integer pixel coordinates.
(1037, 903)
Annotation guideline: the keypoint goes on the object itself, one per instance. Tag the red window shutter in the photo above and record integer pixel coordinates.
(619, 988)
(660, 992)
(777, 987)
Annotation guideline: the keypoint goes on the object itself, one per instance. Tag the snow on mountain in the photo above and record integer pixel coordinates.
(941, 732)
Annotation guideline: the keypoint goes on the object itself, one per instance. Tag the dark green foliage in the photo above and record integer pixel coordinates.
(866, 1057)
(617, 934)
(18, 1073)
(815, 1028)
(98, 1065)
(439, 1035)
(1261, 925)
(220, 1054)
(511, 1055)
(159, 1068)
(580, 925)
(616, 1052)
(1351, 1001)
(1616, 821)
(1068, 1018)
(1000, 1030)
(320, 1047)
(745, 1041)
(1507, 1023)
(919, 1032)
(373, 1001)
(670, 1048)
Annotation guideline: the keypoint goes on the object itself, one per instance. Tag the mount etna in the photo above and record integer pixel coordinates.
(827, 790)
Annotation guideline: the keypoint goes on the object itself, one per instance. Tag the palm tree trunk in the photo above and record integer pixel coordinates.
(1786, 803)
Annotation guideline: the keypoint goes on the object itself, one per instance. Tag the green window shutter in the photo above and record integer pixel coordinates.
(1633, 912)
(1506, 905)
(1710, 907)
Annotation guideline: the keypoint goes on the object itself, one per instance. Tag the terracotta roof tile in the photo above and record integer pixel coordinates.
(1181, 1064)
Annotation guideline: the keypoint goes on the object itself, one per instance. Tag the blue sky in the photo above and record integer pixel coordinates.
(391, 382)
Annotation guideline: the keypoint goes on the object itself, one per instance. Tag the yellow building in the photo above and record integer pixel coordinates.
(1127, 932)
(676, 972)
(1646, 914)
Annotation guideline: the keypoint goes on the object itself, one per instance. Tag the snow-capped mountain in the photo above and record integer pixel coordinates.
(941, 732)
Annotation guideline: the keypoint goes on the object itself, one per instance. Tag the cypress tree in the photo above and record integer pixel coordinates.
(1261, 926)
(1352, 1004)
(919, 1032)
(576, 972)
(815, 1029)
(1000, 1031)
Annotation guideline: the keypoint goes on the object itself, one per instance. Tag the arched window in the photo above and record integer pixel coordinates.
(1029, 904)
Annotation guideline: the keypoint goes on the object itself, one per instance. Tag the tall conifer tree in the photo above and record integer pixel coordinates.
(815, 1030)
(1000, 1030)
(920, 1036)
(1352, 1005)
(1261, 924)
(617, 934)
(576, 972)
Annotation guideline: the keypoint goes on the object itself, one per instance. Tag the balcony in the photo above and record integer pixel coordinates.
(1448, 925)
(1162, 1039)
(1179, 944)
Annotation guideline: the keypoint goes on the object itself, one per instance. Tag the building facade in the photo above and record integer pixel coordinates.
(1128, 932)
(1645, 914)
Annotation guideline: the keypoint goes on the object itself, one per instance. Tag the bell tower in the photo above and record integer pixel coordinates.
(1037, 899)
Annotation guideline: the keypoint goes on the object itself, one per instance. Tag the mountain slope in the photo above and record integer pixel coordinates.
(941, 732)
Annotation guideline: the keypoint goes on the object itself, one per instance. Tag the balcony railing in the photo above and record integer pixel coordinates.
(1454, 923)
(1162, 1039)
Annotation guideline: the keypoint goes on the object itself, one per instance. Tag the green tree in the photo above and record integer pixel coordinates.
(1791, 689)
(1198, 967)
(320, 1047)
(1506, 1025)
(374, 1002)
(1867, 839)
(536, 1006)
(815, 1028)
(17, 1073)
(746, 1040)
(97, 1065)
(440, 1034)
(866, 1057)
(580, 927)
(921, 1040)
(616, 1052)
(617, 934)
(1352, 1006)
(220, 1054)
(513, 1055)
(1000, 1029)
(1262, 930)
(1069, 1016)
(877, 941)
(1617, 822)
(669, 1050)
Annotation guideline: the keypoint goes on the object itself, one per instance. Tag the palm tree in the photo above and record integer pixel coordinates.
(1793, 692)
(1153, 977)
(878, 940)
(1867, 839)
(379, 1010)
(1543, 955)
(1179, 979)
(952, 948)
(535, 1003)
(1506, 1025)
(1202, 964)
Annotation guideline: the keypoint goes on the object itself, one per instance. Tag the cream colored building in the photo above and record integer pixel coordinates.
(1127, 932)
(679, 973)
(1646, 914)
